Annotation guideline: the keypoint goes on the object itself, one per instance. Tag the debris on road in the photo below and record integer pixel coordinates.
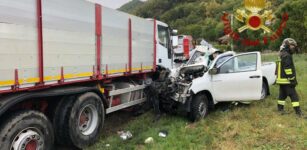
(163, 133)
(149, 140)
(125, 135)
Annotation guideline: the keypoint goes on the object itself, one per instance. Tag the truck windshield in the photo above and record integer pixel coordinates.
(196, 58)
(165, 39)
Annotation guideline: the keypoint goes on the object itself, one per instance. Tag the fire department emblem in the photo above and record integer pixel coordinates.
(255, 16)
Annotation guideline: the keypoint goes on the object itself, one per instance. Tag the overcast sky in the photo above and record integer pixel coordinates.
(112, 3)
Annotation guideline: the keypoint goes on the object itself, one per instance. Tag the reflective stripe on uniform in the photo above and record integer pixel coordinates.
(295, 104)
(280, 102)
(291, 78)
(288, 71)
(280, 80)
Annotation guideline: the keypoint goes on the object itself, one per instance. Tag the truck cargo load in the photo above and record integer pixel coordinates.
(70, 41)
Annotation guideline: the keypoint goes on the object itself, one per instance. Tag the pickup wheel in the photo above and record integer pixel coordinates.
(80, 120)
(199, 107)
(264, 91)
(26, 130)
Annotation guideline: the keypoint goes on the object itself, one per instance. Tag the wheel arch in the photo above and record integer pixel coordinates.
(205, 92)
(265, 81)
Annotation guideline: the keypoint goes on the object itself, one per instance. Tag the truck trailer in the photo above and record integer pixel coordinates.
(66, 64)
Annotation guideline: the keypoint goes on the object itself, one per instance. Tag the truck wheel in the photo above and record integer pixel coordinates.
(199, 107)
(26, 130)
(60, 123)
(80, 120)
(264, 91)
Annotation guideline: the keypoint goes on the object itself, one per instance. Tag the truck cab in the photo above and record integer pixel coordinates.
(164, 45)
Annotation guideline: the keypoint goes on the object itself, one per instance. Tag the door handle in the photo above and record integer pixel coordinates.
(254, 77)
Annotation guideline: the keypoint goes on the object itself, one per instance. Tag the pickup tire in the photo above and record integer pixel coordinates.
(264, 91)
(80, 120)
(26, 130)
(199, 107)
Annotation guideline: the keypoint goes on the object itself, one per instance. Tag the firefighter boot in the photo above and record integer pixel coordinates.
(298, 112)
(281, 109)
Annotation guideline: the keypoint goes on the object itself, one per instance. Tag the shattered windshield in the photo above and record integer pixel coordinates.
(198, 57)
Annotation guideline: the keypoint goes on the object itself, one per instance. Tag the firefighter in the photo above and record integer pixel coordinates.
(286, 77)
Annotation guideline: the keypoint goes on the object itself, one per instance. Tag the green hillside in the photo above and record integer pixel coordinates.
(202, 18)
(131, 7)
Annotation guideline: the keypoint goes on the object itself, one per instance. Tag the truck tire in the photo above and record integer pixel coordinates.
(29, 130)
(264, 91)
(199, 107)
(60, 124)
(80, 120)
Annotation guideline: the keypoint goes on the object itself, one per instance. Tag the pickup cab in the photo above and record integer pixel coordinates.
(202, 83)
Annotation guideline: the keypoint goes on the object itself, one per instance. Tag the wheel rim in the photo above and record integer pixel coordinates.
(202, 109)
(88, 119)
(28, 139)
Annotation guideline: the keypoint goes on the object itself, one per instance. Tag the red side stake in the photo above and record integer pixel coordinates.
(16, 85)
(62, 75)
(40, 42)
(155, 46)
(126, 69)
(130, 45)
(98, 12)
(107, 71)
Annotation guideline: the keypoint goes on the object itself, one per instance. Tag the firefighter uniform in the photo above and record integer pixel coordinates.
(286, 78)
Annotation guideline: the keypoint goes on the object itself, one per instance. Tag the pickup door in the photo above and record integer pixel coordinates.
(239, 78)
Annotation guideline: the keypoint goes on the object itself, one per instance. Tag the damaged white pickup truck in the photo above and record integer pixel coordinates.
(200, 84)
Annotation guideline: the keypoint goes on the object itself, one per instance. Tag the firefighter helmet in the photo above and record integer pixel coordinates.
(289, 41)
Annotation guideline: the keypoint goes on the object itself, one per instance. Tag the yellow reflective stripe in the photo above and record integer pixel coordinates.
(144, 68)
(295, 104)
(46, 78)
(280, 80)
(291, 78)
(124, 70)
(279, 70)
(6, 83)
(281, 102)
(288, 71)
(79, 75)
(66, 76)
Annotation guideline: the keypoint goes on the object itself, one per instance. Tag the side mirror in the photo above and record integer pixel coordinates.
(174, 32)
(213, 71)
